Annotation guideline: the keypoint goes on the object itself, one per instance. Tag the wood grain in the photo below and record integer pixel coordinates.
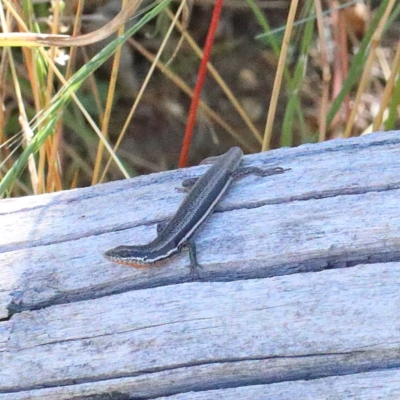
(299, 291)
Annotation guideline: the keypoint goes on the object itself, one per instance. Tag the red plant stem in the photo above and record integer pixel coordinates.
(199, 84)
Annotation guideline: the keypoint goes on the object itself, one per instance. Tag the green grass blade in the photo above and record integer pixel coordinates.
(47, 119)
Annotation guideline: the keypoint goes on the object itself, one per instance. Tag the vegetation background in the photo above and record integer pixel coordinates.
(73, 116)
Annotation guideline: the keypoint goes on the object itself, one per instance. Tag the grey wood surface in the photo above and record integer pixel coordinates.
(299, 295)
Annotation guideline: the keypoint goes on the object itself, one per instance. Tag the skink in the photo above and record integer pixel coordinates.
(195, 208)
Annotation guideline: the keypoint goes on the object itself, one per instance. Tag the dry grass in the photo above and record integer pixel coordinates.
(61, 125)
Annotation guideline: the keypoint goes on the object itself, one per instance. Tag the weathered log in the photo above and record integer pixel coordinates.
(298, 296)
